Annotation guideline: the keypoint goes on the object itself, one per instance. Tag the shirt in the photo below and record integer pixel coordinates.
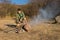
(20, 16)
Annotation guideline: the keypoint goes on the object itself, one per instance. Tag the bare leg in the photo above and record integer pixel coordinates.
(26, 27)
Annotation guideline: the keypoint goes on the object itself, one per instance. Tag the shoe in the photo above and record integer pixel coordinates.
(23, 30)
(17, 32)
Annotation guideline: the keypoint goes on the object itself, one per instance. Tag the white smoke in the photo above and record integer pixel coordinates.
(49, 12)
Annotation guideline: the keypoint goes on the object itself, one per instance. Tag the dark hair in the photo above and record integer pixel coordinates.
(18, 9)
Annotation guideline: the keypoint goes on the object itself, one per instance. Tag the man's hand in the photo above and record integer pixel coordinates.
(20, 19)
(24, 18)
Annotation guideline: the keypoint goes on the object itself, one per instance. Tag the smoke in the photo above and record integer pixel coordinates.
(51, 10)
(47, 13)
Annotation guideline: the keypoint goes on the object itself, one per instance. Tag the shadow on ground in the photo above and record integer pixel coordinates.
(11, 25)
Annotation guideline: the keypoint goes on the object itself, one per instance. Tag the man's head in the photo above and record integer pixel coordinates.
(19, 10)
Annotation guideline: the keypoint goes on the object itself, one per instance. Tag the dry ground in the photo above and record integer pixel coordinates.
(42, 31)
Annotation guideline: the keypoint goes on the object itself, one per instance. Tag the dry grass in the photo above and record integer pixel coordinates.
(38, 32)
